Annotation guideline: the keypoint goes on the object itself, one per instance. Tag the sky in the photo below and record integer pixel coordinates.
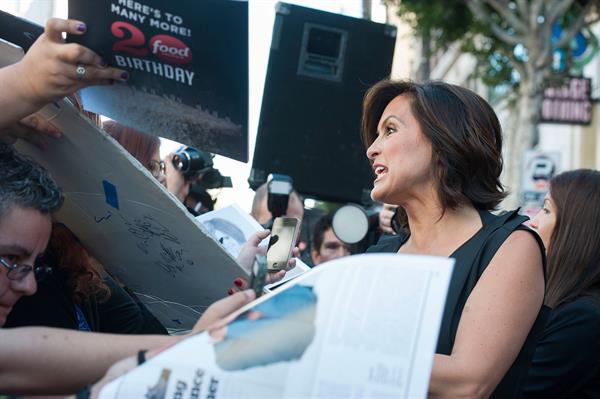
(262, 16)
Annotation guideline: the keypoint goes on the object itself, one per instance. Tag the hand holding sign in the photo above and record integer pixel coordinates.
(52, 69)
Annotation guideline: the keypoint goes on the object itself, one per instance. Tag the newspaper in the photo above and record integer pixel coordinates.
(232, 227)
(363, 326)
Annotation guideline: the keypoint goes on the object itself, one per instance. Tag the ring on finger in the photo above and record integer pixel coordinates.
(80, 71)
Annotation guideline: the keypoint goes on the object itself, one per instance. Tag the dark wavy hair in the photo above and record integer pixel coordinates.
(83, 272)
(574, 248)
(464, 133)
(23, 182)
(141, 145)
(322, 225)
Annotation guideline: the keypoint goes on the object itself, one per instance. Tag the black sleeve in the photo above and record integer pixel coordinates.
(50, 306)
(567, 351)
(122, 314)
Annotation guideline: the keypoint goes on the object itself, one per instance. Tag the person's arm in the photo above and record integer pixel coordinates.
(567, 352)
(37, 360)
(495, 322)
(48, 72)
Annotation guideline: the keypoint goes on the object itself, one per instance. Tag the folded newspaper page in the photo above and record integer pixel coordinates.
(363, 326)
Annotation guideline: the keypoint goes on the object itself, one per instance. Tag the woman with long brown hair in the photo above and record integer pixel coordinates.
(566, 363)
(436, 152)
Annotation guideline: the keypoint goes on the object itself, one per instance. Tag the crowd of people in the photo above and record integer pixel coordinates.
(522, 315)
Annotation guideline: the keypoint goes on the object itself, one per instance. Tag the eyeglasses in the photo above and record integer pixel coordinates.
(156, 168)
(19, 271)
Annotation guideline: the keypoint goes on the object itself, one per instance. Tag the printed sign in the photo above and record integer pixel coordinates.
(570, 103)
(538, 169)
(188, 68)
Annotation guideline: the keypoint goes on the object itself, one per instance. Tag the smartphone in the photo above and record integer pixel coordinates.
(283, 238)
(258, 279)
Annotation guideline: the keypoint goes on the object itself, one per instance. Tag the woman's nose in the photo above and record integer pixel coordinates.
(533, 223)
(25, 286)
(373, 149)
(162, 178)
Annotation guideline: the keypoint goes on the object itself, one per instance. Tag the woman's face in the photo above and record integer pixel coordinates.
(545, 220)
(401, 154)
(156, 169)
(24, 234)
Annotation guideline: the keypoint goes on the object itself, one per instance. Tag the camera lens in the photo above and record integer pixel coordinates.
(192, 161)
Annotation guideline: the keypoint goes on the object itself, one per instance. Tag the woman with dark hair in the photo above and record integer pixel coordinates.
(566, 363)
(80, 295)
(68, 297)
(143, 147)
(436, 151)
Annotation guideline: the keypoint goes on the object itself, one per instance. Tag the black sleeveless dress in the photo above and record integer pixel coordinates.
(472, 258)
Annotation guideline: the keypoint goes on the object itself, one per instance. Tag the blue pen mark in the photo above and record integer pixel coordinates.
(110, 193)
(106, 217)
(177, 321)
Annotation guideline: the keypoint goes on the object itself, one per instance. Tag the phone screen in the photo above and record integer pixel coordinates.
(283, 236)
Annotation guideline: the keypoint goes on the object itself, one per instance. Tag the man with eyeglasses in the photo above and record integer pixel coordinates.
(38, 360)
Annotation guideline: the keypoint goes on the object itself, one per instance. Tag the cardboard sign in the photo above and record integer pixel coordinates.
(188, 68)
(125, 218)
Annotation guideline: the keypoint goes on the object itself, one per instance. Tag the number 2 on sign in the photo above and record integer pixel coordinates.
(134, 44)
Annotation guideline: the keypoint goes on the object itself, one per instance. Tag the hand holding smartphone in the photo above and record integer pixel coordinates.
(283, 238)
(258, 278)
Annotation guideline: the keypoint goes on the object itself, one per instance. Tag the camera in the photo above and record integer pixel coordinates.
(192, 162)
(213, 179)
(279, 188)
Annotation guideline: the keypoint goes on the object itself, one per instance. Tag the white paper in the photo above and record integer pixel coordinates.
(364, 326)
(232, 227)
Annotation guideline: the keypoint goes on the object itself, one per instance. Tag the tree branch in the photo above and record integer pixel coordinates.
(567, 35)
(510, 17)
(560, 8)
(545, 54)
(478, 11)
(518, 65)
(536, 9)
(523, 8)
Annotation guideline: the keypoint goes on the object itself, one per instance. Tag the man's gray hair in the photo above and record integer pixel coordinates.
(23, 182)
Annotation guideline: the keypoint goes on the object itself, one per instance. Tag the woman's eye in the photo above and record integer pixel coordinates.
(10, 258)
(390, 129)
(545, 210)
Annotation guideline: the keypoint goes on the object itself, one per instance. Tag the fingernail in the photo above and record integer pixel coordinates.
(238, 282)
(230, 291)
(81, 27)
(103, 63)
(124, 76)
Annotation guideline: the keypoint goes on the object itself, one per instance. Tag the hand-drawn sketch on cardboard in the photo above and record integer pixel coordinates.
(125, 218)
(139, 231)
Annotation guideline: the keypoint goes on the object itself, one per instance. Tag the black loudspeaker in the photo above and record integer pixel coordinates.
(320, 66)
